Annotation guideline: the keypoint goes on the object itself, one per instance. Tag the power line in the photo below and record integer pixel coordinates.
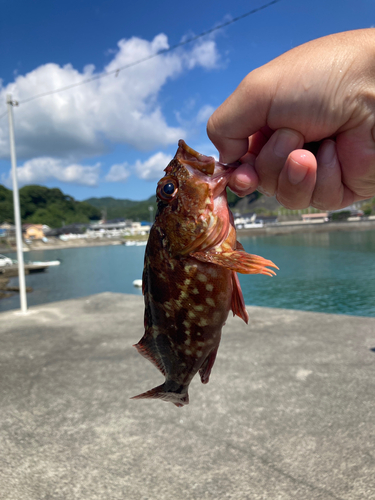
(139, 61)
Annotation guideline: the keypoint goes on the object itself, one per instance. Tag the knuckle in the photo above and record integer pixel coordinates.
(331, 202)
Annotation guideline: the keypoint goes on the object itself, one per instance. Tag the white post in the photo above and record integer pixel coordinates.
(16, 204)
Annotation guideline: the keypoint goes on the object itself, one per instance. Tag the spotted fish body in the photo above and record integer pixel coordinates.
(190, 278)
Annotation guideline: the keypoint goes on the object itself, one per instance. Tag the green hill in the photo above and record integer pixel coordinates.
(139, 210)
(125, 209)
(42, 205)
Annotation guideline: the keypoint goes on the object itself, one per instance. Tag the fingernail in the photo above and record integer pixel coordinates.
(243, 182)
(286, 142)
(327, 153)
(296, 172)
(241, 185)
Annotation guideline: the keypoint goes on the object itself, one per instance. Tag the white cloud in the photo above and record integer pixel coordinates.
(85, 120)
(152, 169)
(204, 113)
(203, 54)
(43, 169)
(118, 173)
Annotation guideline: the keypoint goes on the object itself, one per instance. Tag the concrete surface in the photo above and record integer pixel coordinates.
(288, 413)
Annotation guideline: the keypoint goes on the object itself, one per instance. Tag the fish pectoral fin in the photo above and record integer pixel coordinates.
(238, 303)
(237, 260)
(205, 369)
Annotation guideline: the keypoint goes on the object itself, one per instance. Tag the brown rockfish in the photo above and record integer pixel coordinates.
(190, 277)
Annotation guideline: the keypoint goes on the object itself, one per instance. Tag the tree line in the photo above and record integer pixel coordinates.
(42, 205)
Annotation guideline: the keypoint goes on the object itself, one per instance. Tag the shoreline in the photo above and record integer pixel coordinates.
(268, 230)
(55, 244)
(308, 227)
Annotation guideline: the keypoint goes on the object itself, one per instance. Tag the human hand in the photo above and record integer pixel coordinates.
(322, 91)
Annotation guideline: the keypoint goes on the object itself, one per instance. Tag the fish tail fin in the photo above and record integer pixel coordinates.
(161, 392)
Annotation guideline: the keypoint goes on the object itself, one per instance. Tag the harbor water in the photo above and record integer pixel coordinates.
(323, 272)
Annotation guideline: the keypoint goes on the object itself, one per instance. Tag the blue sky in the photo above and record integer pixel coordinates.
(114, 136)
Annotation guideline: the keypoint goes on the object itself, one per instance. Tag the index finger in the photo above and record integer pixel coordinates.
(239, 117)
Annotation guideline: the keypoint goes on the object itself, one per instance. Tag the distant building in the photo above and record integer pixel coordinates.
(7, 230)
(320, 217)
(267, 219)
(75, 228)
(33, 231)
(247, 221)
(123, 226)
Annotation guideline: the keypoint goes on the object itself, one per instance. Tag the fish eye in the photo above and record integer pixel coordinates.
(167, 189)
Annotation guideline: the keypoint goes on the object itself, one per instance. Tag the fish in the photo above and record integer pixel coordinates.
(190, 280)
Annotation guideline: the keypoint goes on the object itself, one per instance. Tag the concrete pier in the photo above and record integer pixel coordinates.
(289, 412)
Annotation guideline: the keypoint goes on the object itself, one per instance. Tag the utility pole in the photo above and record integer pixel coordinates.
(151, 210)
(16, 204)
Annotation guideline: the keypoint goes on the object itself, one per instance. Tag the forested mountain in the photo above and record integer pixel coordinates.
(42, 205)
(125, 209)
(135, 210)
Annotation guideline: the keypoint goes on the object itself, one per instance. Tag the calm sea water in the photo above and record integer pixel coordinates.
(327, 272)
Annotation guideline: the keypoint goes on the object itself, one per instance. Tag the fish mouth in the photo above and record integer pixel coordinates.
(187, 155)
(219, 173)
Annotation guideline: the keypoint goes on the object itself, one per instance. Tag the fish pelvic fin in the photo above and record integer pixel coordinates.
(238, 304)
(239, 261)
(162, 392)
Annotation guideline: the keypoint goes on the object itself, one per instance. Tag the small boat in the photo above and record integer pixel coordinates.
(5, 261)
(36, 266)
(137, 283)
(46, 264)
(132, 243)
